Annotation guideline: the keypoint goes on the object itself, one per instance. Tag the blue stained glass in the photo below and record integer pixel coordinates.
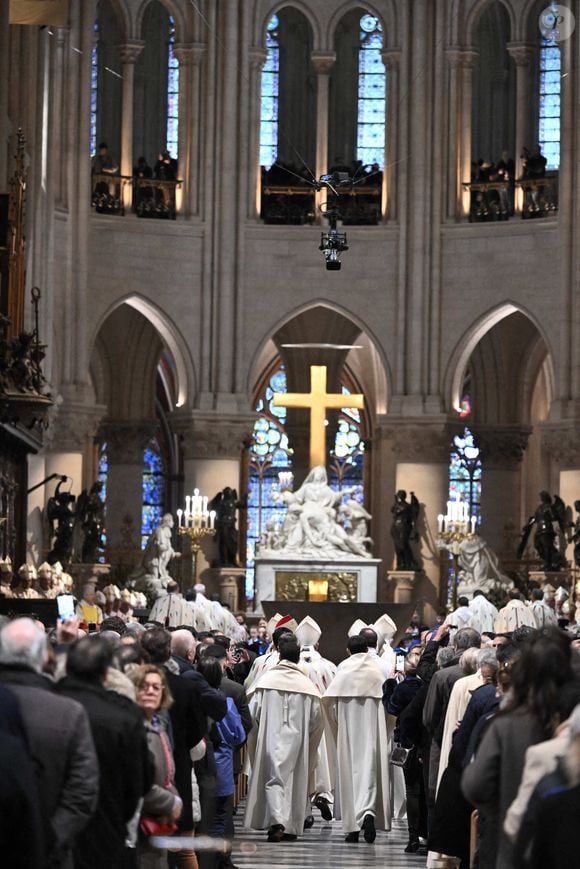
(94, 88)
(465, 472)
(371, 93)
(153, 490)
(269, 90)
(549, 102)
(172, 133)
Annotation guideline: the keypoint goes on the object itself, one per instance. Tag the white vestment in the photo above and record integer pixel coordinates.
(172, 611)
(460, 618)
(321, 672)
(283, 744)
(354, 705)
(461, 694)
(543, 614)
(514, 615)
(261, 665)
(483, 614)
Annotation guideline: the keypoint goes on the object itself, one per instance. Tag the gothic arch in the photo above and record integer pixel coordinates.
(262, 21)
(472, 19)
(123, 14)
(169, 335)
(386, 16)
(173, 9)
(459, 360)
(376, 375)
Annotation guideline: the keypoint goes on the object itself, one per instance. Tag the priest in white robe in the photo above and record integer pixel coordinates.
(515, 614)
(354, 705)
(460, 618)
(287, 712)
(543, 613)
(483, 614)
(277, 627)
(171, 610)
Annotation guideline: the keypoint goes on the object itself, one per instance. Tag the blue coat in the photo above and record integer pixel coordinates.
(231, 732)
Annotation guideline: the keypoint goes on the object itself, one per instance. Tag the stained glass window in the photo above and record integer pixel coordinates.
(465, 473)
(153, 487)
(269, 96)
(549, 102)
(371, 93)
(102, 475)
(94, 88)
(346, 464)
(269, 455)
(172, 138)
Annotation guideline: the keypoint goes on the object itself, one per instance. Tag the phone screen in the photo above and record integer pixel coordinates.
(66, 606)
(400, 663)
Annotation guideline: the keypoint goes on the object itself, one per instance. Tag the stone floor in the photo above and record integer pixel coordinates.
(323, 847)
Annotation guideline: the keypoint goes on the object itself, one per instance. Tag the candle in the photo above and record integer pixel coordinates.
(187, 505)
(440, 523)
(473, 524)
(211, 518)
(179, 515)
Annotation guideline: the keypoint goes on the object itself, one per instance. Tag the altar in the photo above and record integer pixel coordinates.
(315, 580)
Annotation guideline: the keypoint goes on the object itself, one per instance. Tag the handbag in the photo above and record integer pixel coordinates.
(400, 755)
(156, 827)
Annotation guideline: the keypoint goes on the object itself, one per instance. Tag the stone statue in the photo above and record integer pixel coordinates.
(225, 504)
(61, 515)
(90, 515)
(479, 568)
(311, 528)
(574, 537)
(404, 530)
(152, 575)
(548, 512)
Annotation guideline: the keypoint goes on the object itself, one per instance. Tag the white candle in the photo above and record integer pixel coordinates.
(187, 505)
(473, 524)
(440, 523)
(211, 518)
(179, 515)
(204, 505)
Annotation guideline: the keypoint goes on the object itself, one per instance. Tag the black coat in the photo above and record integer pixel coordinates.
(121, 748)
(59, 735)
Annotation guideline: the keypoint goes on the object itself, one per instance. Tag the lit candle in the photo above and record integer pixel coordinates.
(187, 505)
(211, 518)
(179, 515)
(440, 523)
(473, 524)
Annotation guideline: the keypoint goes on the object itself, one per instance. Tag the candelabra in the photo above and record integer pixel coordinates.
(195, 522)
(452, 529)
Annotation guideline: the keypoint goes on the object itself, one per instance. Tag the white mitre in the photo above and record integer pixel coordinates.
(308, 632)
(271, 626)
(385, 629)
(356, 628)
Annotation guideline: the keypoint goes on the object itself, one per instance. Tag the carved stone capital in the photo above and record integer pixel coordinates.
(130, 51)
(461, 58)
(126, 439)
(522, 53)
(417, 441)
(258, 57)
(562, 441)
(501, 447)
(71, 425)
(189, 54)
(323, 61)
(391, 57)
(212, 435)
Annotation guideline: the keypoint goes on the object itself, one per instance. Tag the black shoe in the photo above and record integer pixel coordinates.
(351, 837)
(308, 822)
(413, 846)
(276, 833)
(323, 806)
(289, 837)
(369, 831)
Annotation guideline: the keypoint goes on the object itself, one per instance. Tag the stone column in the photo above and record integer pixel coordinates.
(391, 58)
(129, 52)
(4, 68)
(322, 61)
(258, 56)
(421, 451)
(522, 55)
(189, 57)
(460, 66)
(126, 441)
(57, 110)
(502, 450)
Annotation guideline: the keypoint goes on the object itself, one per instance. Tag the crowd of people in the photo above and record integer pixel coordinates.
(135, 730)
(149, 200)
(493, 190)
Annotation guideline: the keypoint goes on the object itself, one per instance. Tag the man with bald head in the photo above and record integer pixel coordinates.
(59, 738)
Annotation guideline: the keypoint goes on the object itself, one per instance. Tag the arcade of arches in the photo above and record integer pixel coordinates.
(162, 335)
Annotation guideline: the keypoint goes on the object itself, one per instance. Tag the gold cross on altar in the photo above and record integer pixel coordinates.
(318, 401)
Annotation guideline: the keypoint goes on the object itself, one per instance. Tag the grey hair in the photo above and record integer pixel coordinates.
(488, 658)
(134, 629)
(469, 661)
(444, 656)
(22, 642)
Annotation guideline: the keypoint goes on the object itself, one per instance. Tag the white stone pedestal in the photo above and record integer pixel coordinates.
(365, 571)
(404, 585)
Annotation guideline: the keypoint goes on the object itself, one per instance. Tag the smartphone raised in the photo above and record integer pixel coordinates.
(66, 606)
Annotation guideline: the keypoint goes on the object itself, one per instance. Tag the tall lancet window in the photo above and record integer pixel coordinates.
(465, 471)
(371, 93)
(269, 456)
(269, 96)
(153, 489)
(347, 456)
(549, 102)
(172, 138)
(94, 88)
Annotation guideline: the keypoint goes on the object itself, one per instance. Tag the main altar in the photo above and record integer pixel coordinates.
(321, 553)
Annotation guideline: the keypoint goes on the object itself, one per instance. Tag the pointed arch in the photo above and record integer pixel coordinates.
(386, 14)
(173, 8)
(459, 360)
(171, 337)
(472, 19)
(262, 21)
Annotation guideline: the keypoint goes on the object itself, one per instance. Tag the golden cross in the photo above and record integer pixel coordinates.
(318, 401)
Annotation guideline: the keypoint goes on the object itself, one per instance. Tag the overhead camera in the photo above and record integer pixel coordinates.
(332, 244)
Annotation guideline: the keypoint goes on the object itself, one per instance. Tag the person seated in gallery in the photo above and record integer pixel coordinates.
(103, 164)
(534, 169)
(141, 194)
(165, 169)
